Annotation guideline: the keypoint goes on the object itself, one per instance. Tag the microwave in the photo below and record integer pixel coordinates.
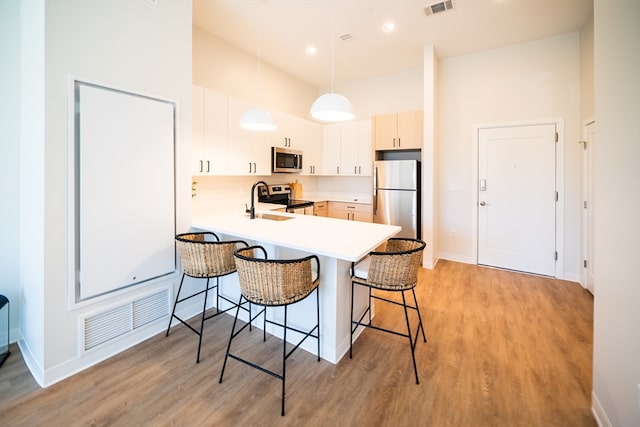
(286, 160)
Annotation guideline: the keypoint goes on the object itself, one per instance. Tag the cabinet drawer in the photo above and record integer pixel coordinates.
(351, 211)
(354, 207)
(321, 209)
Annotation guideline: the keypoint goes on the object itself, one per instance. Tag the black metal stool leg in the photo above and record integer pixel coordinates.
(284, 355)
(413, 357)
(233, 328)
(204, 310)
(175, 303)
(318, 319)
(421, 325)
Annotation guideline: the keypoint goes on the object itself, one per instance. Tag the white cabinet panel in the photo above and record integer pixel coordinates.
(209, 130)
(124, 190)
(347, 149)
(248, 152)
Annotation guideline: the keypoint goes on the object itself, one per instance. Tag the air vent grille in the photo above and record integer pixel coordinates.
(111, 324)
(438, 7)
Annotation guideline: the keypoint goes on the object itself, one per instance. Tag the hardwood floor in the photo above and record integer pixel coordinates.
(503, 349)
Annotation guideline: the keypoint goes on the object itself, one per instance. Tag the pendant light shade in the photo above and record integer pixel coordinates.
(257, 119)
(332, 107)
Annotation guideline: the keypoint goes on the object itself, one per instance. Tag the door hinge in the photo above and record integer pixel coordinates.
(556, 255)
(556, 196)
(556, 136)
(584, 263)
(585, 204)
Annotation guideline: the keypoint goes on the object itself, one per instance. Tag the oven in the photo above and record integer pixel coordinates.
(280, 194)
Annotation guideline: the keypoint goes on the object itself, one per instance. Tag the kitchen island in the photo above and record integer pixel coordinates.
(336, 242)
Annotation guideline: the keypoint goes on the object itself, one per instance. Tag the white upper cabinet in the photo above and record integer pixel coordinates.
(300, 134)
(248, 151)
(399, 131)
(209, 137)
(347, 149)
(331, 149)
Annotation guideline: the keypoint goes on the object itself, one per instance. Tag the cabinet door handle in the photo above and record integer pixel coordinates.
(208, 166)
(337, 170)
(398, 142)
(249, 167)
(254, 168)
(201, 166)
(394, 142)
(359, 170)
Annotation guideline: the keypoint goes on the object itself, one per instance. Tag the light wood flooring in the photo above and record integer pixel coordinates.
(504, 349)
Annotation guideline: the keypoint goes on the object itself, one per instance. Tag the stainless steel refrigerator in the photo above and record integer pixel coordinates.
(396, 195)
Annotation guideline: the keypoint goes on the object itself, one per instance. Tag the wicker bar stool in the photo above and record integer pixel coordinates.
(274, 283)
(204, 259)
(393, 270)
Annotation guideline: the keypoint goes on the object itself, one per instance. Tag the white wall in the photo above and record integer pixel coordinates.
(222, 67)
(587, 107)
(130, 45)
(616, 355)
(10, 149)
(524, 82)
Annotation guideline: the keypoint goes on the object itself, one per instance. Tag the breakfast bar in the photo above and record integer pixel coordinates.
(336, 242)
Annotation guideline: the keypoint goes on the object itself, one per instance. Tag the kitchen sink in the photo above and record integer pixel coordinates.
(273, 217)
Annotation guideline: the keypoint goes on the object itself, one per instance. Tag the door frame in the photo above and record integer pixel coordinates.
(586, 192)
(559, 238)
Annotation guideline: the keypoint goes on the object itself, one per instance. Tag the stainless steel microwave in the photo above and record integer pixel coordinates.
(286, 160)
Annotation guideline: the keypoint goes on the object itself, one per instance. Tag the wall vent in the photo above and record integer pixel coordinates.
(115, 322)
(438, 7)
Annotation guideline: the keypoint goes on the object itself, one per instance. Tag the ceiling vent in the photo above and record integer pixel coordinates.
(439, 7)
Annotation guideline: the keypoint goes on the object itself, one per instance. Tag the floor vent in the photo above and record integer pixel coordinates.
(108, 325)
(438, 7)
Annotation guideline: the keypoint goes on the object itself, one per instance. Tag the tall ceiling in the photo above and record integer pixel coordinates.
(278, 31)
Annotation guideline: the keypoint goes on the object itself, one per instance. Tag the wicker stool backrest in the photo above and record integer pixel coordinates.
(202, 258)
(274, 282)
(397, 266)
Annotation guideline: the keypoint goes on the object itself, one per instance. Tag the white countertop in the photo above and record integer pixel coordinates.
(337, 238)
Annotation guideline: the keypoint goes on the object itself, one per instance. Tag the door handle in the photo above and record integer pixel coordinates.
(483, 204)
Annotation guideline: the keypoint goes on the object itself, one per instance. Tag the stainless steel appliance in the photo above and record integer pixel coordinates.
(281, 195)
(396, 195)
(286, 160)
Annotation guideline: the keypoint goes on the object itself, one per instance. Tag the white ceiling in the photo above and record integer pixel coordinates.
(279, 31)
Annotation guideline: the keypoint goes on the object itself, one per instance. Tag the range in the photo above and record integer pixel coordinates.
(281, 194)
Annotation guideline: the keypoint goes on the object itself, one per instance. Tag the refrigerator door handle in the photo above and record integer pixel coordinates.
(375, 190)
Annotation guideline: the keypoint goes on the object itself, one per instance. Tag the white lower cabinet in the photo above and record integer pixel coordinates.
(351, 211)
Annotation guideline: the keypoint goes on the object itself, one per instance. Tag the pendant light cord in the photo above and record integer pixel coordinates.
(333, 19)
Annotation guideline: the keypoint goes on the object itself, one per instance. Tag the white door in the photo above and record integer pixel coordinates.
(587, 272)
(517, 198)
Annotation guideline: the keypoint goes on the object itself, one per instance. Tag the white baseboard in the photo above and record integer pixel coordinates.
(456, 258)
(50, 376)
(598, 412)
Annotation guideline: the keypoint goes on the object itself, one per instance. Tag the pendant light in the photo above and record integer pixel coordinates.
(332, 107)
(258, 119)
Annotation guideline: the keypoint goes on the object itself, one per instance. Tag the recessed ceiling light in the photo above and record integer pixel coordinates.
(310, 50)
(388, 27)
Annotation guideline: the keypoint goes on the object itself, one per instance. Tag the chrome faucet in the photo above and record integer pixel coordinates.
(252, 210)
